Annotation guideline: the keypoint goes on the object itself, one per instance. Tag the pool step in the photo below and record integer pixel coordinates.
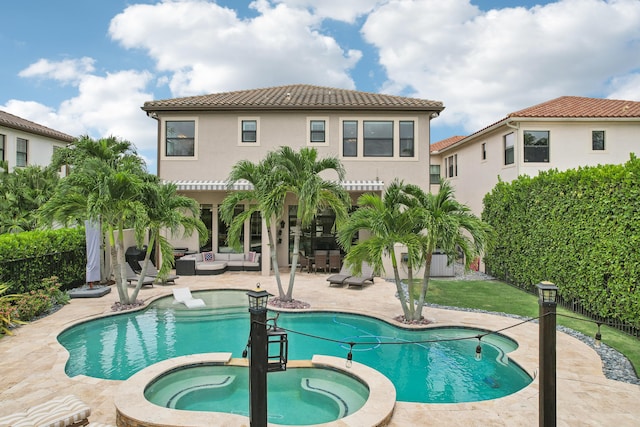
(181, 388)
(340, 394)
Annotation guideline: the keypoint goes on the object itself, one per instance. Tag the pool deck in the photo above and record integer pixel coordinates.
(33, 362)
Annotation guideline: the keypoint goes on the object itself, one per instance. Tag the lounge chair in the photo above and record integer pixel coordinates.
(57, 412)
(152, 271)
(133, 276)
(183, 295)
(360, 280)
(338, 279)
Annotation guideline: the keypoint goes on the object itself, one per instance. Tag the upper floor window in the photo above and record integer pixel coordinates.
(3, 138)
(406, 139)
(536, 146)
(21, 152)
(484, 151)
(249, 131)
(509, 144)
(317, 131)
(597, 140)
(434, 174)
(378, 138)
(451, 166)
(180, 138)
(350, 138)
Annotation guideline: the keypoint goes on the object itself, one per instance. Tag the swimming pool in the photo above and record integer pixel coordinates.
(117, 346)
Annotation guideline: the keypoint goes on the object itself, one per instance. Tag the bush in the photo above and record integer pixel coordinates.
(33, 304)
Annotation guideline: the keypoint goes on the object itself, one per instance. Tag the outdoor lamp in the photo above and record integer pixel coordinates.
(258, 299)
(547, 293)
(598, 338)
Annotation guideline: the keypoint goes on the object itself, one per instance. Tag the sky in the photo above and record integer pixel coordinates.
(86, 67)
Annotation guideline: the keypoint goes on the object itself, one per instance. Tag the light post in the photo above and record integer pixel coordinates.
(547, 293)
(262, 361)
(258, 360)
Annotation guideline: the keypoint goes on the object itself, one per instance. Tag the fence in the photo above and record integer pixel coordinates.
(68, 266)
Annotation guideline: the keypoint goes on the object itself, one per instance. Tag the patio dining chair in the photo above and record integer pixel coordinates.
(335, 260)
(321, 259)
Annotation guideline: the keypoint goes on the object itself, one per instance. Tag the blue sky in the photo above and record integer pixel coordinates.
(86, 67)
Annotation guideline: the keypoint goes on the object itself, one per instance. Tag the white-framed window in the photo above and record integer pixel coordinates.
(317, 130)
(22, 148)
(378, 138)
(407, 138)
(509, 141)
(451, 166)
(350, 138)
(597, 140)
(536, 146)
(434, 174)
(248, 131)
(180, 138)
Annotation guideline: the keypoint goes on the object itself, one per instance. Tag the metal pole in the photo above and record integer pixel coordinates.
(258, 369)
(547, 339)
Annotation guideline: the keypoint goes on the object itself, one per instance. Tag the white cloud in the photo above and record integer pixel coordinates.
(483, 65)
(625, 87)
(339, 10)
(207, 48)
(68, 70)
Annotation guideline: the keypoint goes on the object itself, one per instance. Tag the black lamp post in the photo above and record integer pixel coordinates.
(547, 293)
(258, 360)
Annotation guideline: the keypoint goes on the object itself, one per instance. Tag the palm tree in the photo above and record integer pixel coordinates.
(300, 174)
(422, 222)
(267, 197)
(449, 227)
(389, 223)
(166, 211)
(105, 186)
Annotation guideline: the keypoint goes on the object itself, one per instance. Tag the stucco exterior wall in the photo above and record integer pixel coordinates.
(39, 148)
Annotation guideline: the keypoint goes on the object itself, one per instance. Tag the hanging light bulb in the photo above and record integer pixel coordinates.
(349, 356)
(244, 353)
(598, 337)
(479, 350)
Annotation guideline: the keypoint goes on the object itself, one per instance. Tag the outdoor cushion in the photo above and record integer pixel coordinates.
(57, 412)
(208, 256)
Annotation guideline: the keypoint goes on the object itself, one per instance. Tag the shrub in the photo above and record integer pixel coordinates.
(33, 304)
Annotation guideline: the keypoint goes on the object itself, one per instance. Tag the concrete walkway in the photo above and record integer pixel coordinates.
(33, 362)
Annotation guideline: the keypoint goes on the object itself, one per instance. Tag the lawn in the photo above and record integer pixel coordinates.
(499, 297)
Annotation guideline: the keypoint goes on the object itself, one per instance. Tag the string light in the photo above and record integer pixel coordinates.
(598, 337)
(350, 356)
(479, 349)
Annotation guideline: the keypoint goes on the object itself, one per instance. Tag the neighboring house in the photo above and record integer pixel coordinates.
(376, 137)
(564, 133)
(24, 143)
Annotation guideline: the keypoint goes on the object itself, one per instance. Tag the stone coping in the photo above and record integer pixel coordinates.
(133, 409)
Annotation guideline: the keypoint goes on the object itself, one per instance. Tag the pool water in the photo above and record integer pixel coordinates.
(297, 396)
(117, 346)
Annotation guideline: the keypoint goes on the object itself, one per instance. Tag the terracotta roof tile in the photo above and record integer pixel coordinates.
(18, 123)
(579, 107)
(437, 146)
(294, 96)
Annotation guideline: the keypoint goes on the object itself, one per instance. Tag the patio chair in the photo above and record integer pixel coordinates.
(183, 296)
(133, 276)
(152, 271)
(338, 279)
(335, 260)
(320, 259)
(305, 262)
(365, 276)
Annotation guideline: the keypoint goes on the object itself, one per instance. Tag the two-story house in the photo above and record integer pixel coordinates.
(376, 137)
(24, 143)
(563, 133)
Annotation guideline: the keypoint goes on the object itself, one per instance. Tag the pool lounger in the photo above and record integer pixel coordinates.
(59, 412)
(183, 295)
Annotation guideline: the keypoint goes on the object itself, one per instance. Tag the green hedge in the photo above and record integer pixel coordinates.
(579, 229)
(27, 258)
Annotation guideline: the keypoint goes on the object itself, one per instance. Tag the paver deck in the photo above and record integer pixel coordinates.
(33, 361)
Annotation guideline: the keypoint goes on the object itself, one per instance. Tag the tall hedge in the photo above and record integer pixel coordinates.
(26, 258)
(579, 229)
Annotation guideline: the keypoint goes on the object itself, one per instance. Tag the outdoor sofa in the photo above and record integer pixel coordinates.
(211, 263)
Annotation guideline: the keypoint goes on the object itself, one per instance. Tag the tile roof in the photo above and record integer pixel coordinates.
(18, 123)
(579, 107)
(294, 96)
(437, 146)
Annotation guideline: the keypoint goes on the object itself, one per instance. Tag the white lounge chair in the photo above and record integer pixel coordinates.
(183, 295)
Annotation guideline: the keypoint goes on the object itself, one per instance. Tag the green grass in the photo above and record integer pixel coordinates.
(499, 297)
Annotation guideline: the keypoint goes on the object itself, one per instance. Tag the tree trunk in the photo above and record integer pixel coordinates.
(424, 286)
(294, 259)
(274, 260)
(401, 295)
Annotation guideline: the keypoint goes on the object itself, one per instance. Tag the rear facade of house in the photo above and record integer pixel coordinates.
(378, 138)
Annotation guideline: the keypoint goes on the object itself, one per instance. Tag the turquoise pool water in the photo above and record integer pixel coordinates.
(116, 347)
(297, 396)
